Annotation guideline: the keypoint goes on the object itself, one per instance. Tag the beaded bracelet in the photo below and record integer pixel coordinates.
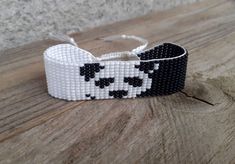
(75, 74)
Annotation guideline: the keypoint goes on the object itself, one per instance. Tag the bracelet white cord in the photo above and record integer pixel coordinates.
(113, 55)
(63, 38)
(125, 54)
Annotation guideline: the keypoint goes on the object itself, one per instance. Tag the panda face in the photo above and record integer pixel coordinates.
(117, 79)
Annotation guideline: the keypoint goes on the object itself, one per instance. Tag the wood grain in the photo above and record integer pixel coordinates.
(194, 126)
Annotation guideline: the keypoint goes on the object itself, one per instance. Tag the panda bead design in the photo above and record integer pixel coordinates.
(75, 74)
(115, 79)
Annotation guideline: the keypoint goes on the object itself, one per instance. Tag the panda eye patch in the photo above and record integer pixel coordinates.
(104, 82)
(89, 70)
(134, 81)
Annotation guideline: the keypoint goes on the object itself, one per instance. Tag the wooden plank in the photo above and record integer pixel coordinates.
(196, 125)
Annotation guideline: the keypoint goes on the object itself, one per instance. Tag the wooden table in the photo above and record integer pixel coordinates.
(196, 125)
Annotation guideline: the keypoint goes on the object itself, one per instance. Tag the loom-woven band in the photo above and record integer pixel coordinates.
(73, 74)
